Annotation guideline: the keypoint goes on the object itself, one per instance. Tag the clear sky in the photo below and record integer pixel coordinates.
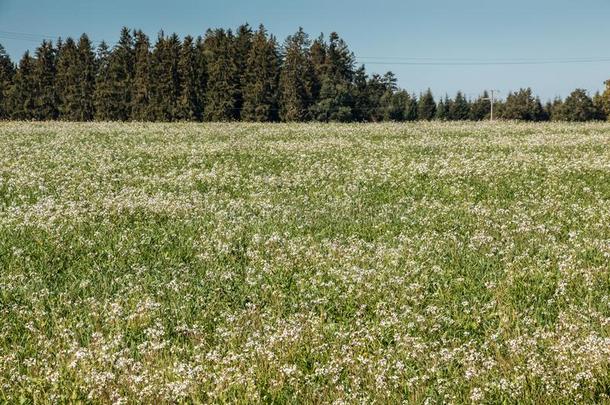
(448, 32)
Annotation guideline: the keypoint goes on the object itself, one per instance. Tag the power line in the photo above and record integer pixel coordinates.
(382, 60)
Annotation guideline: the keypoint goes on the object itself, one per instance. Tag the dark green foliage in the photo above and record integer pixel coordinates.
(103, 84)
(7, 72)
(335, 76)
(442, 113)
(426, 106)
(75, 80)
(598, 105)
(522, 105)
(223, 75)
(115, 85)
(297, 78)
(22, 95)
(68, 74)
(165, 82)
(189, 104)
(140, 102)
(459, 108)
(480, 109)
(241, 76)
(45, 94)
(578, 106)
(260, 91)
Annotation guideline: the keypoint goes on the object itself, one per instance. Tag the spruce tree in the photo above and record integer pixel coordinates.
(165, 88)
(296, 78)
(46, 101)
(119, 89)
(68, 77)
(459, 109)
(140, 102)
(261, 79)
(86, 61)
(426, 107)
(441, 110)
(103, 85)
(223, 77)
(241, 51)
(7, 71)
(189, 105)
(22, 94)
(335, 100)
(480, 109)
(361, 111)
(201, 72)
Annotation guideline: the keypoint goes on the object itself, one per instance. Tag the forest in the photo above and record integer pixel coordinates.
(241, 75)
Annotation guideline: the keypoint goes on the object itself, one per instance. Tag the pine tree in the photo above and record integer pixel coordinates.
(481, 108)
(140, 102)
(441, 110)
(189, 105)
(103, 85)
(362, 103)
(22, 94)
(459, 108)
(335, 99)
(86, 59)
(7, 72)
(241, 51)
(296, 78)
(46, 101)
(165, 88)
(67, 83)
(117, 91)
(261, 80)
(201, 71)
(223, 77)
(426, 107)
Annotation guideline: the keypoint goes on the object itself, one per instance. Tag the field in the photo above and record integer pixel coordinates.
(248, 263)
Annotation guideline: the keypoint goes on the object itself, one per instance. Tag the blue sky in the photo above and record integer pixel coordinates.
(443, 29)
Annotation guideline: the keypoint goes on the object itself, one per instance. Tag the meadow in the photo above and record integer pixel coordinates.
(304, 263)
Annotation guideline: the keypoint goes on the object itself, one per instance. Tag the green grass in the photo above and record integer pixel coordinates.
(245, 263)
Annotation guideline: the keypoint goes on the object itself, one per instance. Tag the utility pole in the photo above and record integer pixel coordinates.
(492, 100)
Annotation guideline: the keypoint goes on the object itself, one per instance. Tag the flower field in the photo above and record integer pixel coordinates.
(287, 263)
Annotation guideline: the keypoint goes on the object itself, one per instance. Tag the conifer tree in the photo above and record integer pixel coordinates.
(7, 71)
(140, 102)
(201, 72)
(441, 109)
(67, 83)
(261, 80)
(242, 44)
(318, 55)
(86, 82)
(522, 105)
(480, 108)
(119, 89)
(103, 85)
(362, 105)
(165, 88)
(426, 107)
(189, 105)
(296, 78)
(46, 101)
(459, 109)
(22, 95)
(223, 77)
(335, 99)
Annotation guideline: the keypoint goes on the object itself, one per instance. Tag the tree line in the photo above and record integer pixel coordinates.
(246, 75)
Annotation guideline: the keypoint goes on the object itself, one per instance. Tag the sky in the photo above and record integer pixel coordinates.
(445, 45)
